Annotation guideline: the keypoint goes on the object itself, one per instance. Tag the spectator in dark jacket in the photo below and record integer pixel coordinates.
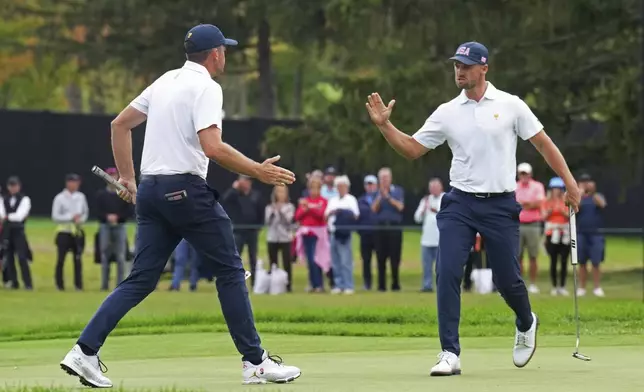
(112, 212)
(245, 208)
(367, 235)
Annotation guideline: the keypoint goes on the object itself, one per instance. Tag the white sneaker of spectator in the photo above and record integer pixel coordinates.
(599, 292)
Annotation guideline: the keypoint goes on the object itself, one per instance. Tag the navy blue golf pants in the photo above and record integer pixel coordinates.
(169, 208)
(496, 218)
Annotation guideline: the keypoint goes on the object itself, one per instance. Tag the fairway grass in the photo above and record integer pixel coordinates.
(208, 362)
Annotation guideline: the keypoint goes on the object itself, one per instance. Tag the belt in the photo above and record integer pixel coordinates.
(161, 177)
(482, 195)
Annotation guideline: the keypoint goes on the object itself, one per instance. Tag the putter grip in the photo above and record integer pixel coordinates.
(573, 237)
(107, 178)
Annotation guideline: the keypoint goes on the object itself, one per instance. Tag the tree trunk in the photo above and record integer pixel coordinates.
(97, 98)
(74, 97)
(266, 93)
(298, 85)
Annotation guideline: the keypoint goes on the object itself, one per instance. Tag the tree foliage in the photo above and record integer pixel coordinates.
(572, 61)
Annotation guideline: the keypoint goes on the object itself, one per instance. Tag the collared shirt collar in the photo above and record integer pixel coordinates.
(196, 67)
(490, 93)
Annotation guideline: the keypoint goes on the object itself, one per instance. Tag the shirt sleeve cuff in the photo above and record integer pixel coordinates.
(139, 107)
(536, 128)
(423, 143)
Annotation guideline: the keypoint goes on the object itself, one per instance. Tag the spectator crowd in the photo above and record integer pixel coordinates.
(317, 229)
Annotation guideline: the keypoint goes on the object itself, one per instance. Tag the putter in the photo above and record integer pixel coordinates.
(573, 261)
(107, 178)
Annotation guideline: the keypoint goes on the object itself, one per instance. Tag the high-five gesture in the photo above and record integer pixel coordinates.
(378, 112)
(274, 175)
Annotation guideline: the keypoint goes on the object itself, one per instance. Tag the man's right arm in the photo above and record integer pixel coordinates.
(404, 144)
(207, 121)
(226, 155)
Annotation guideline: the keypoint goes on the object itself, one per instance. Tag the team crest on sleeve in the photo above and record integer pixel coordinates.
(496, 116)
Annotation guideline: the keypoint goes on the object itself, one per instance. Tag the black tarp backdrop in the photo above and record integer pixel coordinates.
(41, 147)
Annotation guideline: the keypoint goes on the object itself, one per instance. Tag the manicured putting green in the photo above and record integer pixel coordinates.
(194, 362)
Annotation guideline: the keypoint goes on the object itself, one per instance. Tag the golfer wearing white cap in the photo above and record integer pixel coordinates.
(183, 109)
(481, 127)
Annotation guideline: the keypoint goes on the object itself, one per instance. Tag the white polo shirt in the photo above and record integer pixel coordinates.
(483, 138)
(178, 105)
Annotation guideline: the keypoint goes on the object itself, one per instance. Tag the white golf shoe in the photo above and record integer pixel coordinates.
(448, 365)
(581, 292)
(270, 370)
(525, 344)
(599, 292)
(89, 369)
(563, 292)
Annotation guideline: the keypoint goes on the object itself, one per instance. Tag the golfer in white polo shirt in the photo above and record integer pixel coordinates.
(183, 109)
(481, 126)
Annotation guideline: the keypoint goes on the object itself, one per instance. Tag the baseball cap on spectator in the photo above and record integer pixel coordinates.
(111, 170)
(524, 168)
(556, 182)
(330, 171)
(370, 179)
(471, 53)
(13, 180)
(72, 177)
(205, 36)
(585, 177)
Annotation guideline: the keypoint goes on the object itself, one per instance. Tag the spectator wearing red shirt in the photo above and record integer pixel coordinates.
(531, 195)
(310, 216)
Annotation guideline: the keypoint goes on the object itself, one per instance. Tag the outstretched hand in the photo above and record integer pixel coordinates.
(274, 175)
(378, 112)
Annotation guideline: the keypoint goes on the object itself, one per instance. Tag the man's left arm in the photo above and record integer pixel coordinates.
(3, 213)
(528, 127)
(553, 157)
(22, 212)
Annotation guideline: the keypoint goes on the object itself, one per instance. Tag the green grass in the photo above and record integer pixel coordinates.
(369, 341)
(208, 362)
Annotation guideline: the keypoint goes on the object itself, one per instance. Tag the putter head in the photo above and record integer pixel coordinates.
(580, 356)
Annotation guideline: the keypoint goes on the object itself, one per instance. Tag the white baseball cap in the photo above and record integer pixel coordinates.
(524, 168)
